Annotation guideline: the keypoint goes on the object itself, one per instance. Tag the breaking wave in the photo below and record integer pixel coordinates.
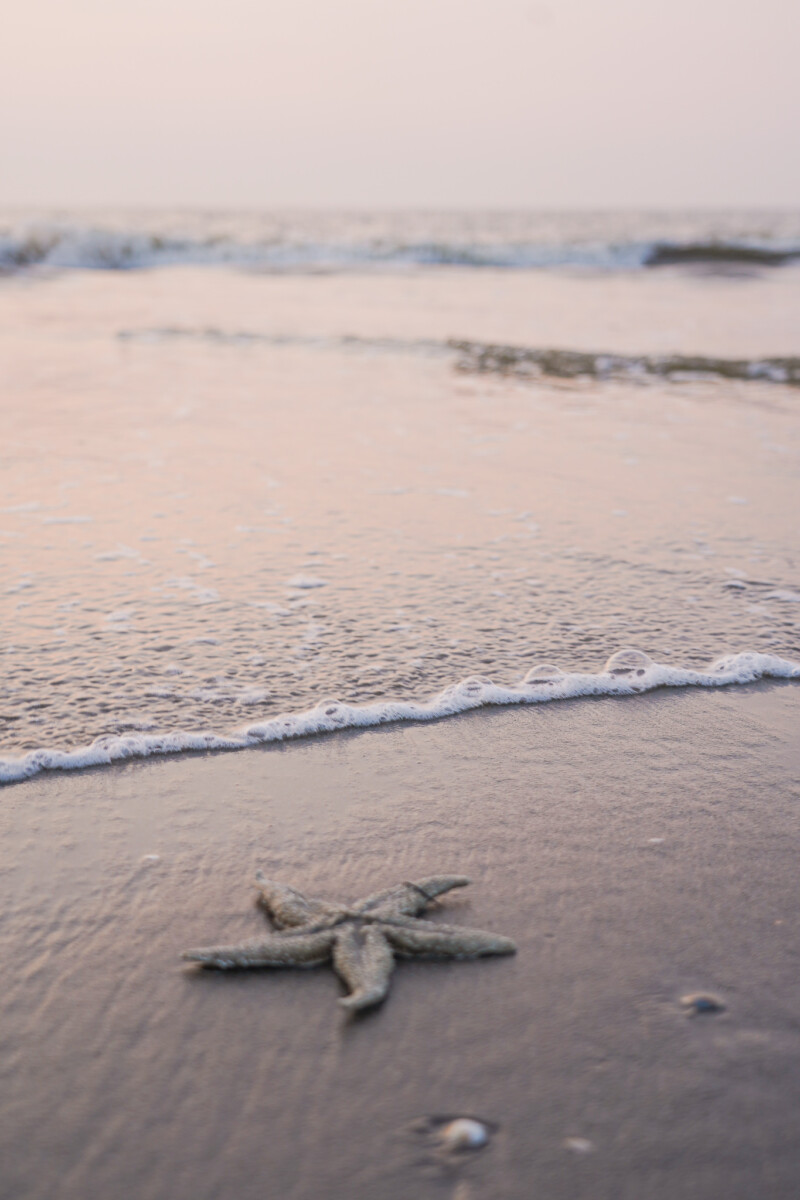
(303, 242)
(627, 673)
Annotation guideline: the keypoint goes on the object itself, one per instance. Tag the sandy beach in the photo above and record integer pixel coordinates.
(400, 601)
(637, 850)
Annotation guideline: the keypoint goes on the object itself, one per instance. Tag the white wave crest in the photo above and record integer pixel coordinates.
(627, 673)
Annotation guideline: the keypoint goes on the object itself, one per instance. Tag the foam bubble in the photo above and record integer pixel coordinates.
(306, 581)
(253, 696)
(628, 662)
(543, 673)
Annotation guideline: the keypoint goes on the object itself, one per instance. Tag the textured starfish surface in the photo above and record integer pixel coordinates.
(361, 940)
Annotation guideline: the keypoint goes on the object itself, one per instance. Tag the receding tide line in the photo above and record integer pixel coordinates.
(626, 673)
(522, 362)
(529, 362)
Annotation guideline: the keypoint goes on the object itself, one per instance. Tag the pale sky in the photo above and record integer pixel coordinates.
(501, 103)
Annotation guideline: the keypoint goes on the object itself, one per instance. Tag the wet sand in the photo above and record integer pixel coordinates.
(636, 850)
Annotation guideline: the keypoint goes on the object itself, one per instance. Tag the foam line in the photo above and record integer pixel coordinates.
(627, 673)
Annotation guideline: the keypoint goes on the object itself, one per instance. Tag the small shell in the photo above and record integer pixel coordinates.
(700, 1003)
(464, 1133)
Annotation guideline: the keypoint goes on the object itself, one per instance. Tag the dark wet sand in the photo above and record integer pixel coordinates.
(124, 1074)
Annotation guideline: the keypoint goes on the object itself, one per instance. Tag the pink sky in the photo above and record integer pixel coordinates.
(501, 103)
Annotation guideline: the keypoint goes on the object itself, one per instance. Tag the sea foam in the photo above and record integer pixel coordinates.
(627, 673)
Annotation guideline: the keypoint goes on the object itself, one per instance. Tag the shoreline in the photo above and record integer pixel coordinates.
(627, 673)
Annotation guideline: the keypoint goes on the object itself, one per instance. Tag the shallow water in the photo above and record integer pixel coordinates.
(231, 495)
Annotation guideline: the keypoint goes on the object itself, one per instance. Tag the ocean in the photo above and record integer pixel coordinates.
(266, 475)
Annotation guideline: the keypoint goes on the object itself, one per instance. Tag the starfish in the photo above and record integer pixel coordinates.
(360, 939)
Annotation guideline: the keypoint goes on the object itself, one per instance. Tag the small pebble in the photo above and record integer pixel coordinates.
(578, 1145)
(702, 1002)
(151, 858)
(463, 1134)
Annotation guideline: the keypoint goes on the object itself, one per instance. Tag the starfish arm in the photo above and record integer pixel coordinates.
(417, 937)
(409, 899)
(364, 962)
(288, 908)
(294, 950)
